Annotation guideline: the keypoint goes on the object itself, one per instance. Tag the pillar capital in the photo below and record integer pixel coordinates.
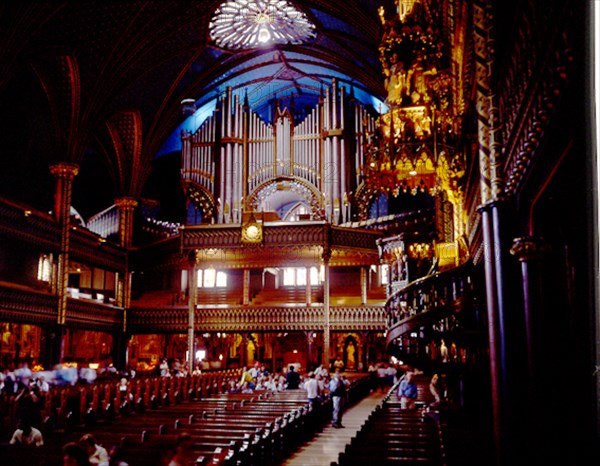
(526, 248)
(126, 202)
(65, 170)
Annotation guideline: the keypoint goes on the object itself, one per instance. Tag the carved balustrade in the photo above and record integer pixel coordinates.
(92, 315)
(257, 318)
(24, 224)
(27, 306)
(35, 307)
(40, 229)
(427, 300)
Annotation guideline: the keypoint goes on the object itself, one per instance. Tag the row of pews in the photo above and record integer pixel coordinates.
(64, 407)
(392, 435)
(227, 429)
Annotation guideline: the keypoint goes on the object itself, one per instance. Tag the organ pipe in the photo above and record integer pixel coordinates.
(237, 148)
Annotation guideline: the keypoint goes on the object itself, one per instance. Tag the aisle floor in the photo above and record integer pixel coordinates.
(327, 445)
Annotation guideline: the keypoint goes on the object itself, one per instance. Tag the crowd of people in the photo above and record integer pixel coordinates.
(29, 388)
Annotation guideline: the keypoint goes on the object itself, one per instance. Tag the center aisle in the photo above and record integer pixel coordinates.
(327, 445)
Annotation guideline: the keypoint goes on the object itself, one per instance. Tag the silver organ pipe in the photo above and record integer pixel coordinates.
(316, 151)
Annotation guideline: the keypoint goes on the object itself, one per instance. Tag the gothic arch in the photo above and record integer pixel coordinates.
(306, 191)
(201, 198)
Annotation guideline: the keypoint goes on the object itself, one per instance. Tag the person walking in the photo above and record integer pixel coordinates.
(407, 392)
(337, 389)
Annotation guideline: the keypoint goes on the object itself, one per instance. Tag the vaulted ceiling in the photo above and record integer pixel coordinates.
(100, 84)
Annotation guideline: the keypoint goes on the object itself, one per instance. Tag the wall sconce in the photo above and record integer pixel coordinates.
(419, 250)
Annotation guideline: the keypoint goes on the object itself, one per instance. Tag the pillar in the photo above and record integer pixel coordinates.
(246, 289)
(326, 320)
(364, 357)
(244, 349)
(363, 285)
(308, 288)
(309, 349)
(64, 173)
(530, 251)
(192, 299)
(126, 208)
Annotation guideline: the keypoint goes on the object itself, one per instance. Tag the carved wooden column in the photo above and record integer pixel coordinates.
(364, 335)
(274, 349)
(244, 349)
(192, 300)
(246, 290)
(64, 173)
(126, 207)
(308, 288)
(326, 324)
(363, 285)
(309, 349)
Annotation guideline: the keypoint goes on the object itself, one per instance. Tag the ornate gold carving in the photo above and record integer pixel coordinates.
(252, 231)
(65, 170)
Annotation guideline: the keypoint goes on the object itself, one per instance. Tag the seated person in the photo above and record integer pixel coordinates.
(292, 378)
(97, 454)
(74, 455)
(26, 435)
(435, 389)
(407, 392)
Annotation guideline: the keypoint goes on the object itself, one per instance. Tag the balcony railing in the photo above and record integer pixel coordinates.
(258, 318)
(36, 307)
(428, 300)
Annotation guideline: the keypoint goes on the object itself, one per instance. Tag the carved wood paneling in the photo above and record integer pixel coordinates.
(26, 225)
(300, 244)
(34, 307)
(40, 229)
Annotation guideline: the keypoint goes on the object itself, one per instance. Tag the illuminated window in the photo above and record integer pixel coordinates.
(44, 268)
(246, 24)
(314, 276)
(289, 276)
(301, 277)
(384, 274)
(297, 276)
(210, 278)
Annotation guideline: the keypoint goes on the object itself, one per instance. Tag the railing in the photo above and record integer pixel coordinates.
(30, 306)
(35, 307)
(258, 318)
(427, 300)
(94, 315)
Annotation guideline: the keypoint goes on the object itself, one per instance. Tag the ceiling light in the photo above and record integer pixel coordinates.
(246, 24)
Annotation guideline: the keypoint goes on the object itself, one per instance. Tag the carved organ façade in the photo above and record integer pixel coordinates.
(235, 161)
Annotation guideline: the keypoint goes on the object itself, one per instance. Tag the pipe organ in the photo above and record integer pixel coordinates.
(235, 156)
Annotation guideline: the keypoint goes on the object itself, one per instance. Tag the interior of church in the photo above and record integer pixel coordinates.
(215, 185)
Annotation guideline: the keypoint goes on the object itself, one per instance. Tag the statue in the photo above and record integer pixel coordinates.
(350, 360)
(397, 80)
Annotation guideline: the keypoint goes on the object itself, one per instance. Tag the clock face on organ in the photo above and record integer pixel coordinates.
(252, 232)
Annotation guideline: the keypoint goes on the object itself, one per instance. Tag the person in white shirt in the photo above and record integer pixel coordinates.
(312, 389)
(382, 376)
(42, 384)
(26, 435)
(97, 453)
(255, 370)
(390, 372)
